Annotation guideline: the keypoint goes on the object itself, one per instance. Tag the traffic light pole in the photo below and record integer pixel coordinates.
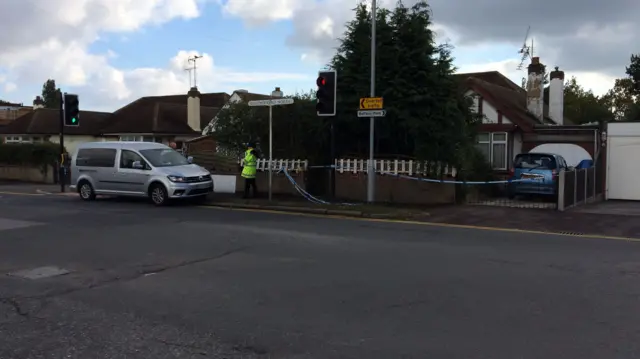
(61, 174)
(371, 171)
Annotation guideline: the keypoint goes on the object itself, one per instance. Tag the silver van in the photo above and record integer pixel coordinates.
(139, 169)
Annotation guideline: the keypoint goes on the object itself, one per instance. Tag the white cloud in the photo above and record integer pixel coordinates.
(57, 47)
(10, 87)
(597, 82)
(256, 12)
(586, 43)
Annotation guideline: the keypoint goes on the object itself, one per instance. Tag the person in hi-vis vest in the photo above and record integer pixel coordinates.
(249, 170)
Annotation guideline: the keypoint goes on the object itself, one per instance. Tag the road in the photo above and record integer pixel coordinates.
(192, 282)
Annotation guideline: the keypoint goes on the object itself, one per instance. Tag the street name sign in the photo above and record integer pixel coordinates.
(372, 113)
(371, 103)
(274, 102)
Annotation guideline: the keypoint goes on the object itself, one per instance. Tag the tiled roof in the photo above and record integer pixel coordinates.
(504, 93)
(163, 114)
(47, 122)
(512, 104)
(248, 96)
(493, 77)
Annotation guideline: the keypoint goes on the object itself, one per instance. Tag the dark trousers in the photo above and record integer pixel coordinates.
(248, 183)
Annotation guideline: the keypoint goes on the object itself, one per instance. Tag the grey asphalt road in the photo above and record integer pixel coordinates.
(190, 282)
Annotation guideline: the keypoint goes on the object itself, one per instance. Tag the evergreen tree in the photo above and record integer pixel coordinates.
(50, 94)
(353, 64)
(427, 116)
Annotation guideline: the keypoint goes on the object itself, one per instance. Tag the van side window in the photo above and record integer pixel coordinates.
(127, 158)
(96, 157)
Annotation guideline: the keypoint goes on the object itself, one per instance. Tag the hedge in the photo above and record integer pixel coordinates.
(37, 154)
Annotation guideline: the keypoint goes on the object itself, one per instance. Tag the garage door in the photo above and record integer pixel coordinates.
(623, 161)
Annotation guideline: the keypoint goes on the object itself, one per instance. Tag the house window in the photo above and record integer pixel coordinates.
(138, 138)
(17, 139)
(494, 147)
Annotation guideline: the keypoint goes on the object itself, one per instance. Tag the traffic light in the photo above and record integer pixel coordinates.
(71, 110)
(326, 95)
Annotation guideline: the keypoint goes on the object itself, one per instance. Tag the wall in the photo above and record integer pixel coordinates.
(26, 174)
(586, 139)
(490, 113)
(390, 189)
(71, 142)
(517, 144)
(280, 183)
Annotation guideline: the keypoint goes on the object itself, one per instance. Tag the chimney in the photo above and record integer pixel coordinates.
(38, 103)
(535, 88)
(193, 109)
(556, 96)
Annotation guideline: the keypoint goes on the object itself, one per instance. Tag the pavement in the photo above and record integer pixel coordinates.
(612, 219)
(123, 279)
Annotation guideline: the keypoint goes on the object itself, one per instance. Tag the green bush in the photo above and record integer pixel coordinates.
(38, 154)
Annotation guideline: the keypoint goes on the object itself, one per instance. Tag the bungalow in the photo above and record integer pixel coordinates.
(164, 119)
(516, 120)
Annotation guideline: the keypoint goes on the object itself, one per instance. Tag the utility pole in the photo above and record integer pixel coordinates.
(61, 171)
(371, 170)
(195, 67)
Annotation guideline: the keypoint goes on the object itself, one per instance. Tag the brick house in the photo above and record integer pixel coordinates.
(516, 120)
(164, 119)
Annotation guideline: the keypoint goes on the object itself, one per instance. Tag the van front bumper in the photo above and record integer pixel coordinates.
(185, 190)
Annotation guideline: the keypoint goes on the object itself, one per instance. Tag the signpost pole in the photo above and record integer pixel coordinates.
(276, 100)
(61, 171)
(371, 168)
(270, 151)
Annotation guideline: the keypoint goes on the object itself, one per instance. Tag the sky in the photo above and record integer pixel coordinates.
(111, 52)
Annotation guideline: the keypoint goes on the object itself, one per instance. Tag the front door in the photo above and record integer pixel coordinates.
(132, 180)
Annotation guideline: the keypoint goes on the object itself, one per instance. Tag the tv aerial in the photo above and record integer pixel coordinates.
(526, 51)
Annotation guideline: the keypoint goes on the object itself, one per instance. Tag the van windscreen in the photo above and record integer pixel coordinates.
(535, 160)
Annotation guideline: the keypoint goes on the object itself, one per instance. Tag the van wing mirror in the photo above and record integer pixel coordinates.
(190, 159)
(137, 165)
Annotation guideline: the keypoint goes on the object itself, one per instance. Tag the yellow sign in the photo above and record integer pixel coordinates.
(371, 103)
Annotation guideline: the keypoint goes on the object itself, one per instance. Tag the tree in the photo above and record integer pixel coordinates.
(297, 131)
(633, 71)
(427, 117)
(50, 94)
(582, 106)
(622, 102)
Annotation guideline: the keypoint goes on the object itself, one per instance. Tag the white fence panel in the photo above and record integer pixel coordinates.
(277, 164)
(396, 167)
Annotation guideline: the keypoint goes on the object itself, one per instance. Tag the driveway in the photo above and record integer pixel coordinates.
(605, 218)
(621, 208)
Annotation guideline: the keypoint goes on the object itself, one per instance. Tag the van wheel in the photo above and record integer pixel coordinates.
(86, 191)
(158, 195)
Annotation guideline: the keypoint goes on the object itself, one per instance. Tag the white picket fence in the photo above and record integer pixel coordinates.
(277, 164)
(397, 167)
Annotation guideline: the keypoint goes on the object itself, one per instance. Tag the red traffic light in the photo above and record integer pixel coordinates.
(321, 81)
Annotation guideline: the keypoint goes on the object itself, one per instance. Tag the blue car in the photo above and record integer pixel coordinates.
(539, 172)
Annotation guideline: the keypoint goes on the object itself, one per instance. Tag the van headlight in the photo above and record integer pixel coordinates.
(176, 178)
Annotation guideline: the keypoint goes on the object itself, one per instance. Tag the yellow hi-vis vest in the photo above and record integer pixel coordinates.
(249, 166)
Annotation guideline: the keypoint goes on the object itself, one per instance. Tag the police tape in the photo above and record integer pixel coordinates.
(306, 194)
(433, 180)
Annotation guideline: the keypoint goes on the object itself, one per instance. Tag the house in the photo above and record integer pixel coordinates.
(236, 97)
(517, 120)
(43, 125)
(165, 118)
(162, 119)
(11, 111)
